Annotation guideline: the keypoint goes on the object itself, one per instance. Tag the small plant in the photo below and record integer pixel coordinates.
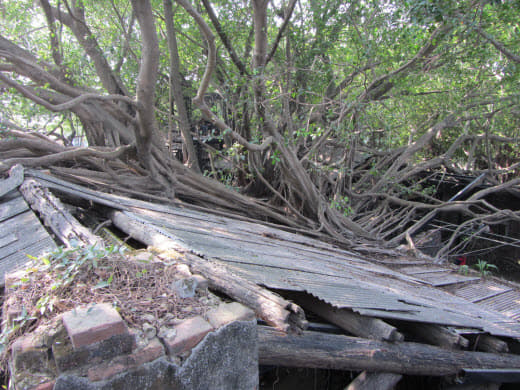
(484, 267)
(343, 205)
(463, 269)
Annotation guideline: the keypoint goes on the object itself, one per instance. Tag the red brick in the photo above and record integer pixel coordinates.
(152, 351)
(44, 386)
(88, 325)
(229, 312)
(105, 371)
(28, 353)
(123, 363)
(188, 334)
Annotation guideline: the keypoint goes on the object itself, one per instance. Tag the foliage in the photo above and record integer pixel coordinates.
(484, 268)
(358, 103)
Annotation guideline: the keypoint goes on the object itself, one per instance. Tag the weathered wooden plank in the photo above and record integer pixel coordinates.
(7, 240)
(319, 350)
(16, 175)
(507, 303)
(12, 208)
(24, 238)
(17, 259)
(52, 211)
(417, 270)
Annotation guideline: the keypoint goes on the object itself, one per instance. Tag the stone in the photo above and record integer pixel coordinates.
(92, 324)
(149, 331)
(32, 381)
(152, 351)
(188, 334)
(226, 359)
(229, 312)
(185, 288)
(142, 256)
(183, 270)
(166, 332)
(148, 318)
(202, 282)
(169, 319)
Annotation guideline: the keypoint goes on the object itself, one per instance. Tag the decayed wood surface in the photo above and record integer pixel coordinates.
(272, 308)
(15, 178)
(374, 381)
(318, 350)
(358, 325)
(54, 214)
(489, 343)
(438, 335)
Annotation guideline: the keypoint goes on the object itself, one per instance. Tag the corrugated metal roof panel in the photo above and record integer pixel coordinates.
(475, 292)
(507, 303)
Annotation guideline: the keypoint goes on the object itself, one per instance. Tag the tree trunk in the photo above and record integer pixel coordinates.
(176, 88)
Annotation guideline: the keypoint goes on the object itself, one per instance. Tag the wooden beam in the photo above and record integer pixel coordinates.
(437, 335)
(318, 350)
(356, 324)
(62, 223)
(14, 180)
(272, 308)
(374, 381)
(488, 343)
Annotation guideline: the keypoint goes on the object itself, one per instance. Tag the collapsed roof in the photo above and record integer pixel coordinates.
(387, 298)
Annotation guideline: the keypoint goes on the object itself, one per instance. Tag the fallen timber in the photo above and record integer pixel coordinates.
(272, 308)
(328, 351)
(54, 214)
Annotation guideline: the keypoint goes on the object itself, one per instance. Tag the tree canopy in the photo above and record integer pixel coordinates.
(334, 117)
